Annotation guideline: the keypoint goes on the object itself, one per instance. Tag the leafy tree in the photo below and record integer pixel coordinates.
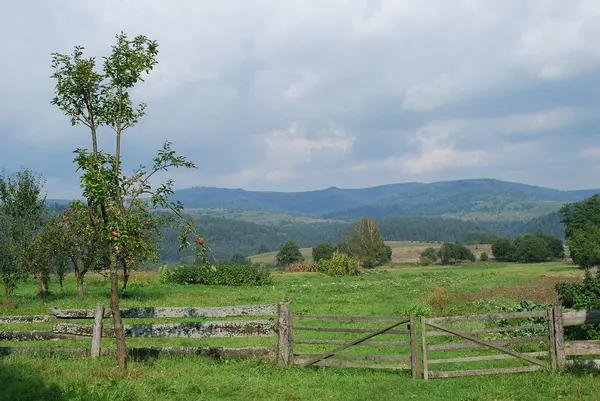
(103, 99)
(324, 250)
(239, 258)
(429, 256)
(531, 248)
(289, 253)
(503, 249)
(484, 257)
(41, 253)
(554, 244)
(366, 243)
(22, 207)
(384, 255)
(451, 253)
(584, 246)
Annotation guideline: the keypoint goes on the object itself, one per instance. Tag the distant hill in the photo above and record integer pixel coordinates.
(479, 199)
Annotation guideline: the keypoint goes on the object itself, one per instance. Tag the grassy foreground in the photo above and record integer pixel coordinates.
(431, 291)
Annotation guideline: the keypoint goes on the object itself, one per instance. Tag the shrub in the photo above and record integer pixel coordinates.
(323, 250)
(530, 248)
(323, 266)
(303, 266)
(484, 257)
(452, 253)
(235, 275)
(581, 296)
(429, 256)
(384, 255)
(164, 274)
(503, 249)
(343, 265)
(289, 253)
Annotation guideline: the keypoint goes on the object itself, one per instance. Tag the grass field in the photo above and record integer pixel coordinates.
(402, 252)
(392, 291)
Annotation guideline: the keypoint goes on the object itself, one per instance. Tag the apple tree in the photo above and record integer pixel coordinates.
(100, 99)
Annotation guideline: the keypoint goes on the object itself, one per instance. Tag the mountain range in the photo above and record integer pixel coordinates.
(476, 199)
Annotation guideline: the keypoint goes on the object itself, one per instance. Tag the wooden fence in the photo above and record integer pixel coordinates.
(271, 327)
(502, 343)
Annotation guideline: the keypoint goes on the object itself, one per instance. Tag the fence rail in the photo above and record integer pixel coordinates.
(542, 329)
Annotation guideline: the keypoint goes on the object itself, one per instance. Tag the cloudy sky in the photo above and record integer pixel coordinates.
(305, 94)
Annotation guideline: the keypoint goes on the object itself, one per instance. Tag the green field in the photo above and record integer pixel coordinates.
(402, 252)
(392, 291)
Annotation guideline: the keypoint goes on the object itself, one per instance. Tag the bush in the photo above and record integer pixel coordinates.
(304, 266)
(503, 250)
(581, 296)
(164, 274)
(235, 275)
(384, 255)
(289, 253)
(484, 257)
(452, 253)
(429, 256)
(530, 248)
(323, 250)
(341, 264)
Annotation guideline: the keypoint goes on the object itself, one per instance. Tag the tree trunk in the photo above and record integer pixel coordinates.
(43, 285)
(116, 311)
(125, 280)
(79, 278)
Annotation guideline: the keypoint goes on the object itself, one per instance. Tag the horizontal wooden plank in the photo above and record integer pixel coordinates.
(573, 317)
(34, 335)
(352, 364)
(167, 312)
(26, 319)
(587, 347)
(346, 330)
(357, 357)
(471, 345)
(352, 319)
(371, 343)
(484, 358)
(489, 316)
(216, 329)
(145, 353)
(489, 330)
(584, 363)
(436, 374)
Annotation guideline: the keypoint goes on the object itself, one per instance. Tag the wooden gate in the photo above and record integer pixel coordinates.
(530, 332)
(386, 353)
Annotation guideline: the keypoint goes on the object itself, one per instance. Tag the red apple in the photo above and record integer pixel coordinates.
(201, 240)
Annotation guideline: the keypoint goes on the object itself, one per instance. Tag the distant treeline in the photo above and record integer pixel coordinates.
(227, 236)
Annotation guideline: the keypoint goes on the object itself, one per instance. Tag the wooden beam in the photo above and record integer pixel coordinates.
(476, 372)
(490, 316)
(552, 339)
(350, 319)
(351, 343)
(471, 345)
(35, 335)
(26, 319)
(366, 343)
(415, 363)
(482, 358)
(424, 347)
(97, 331)
(345, 330)
(489, 330)
(586, 347)
(357, 357)
(344, 364)
(491, 345)
(559, 336)
(285, 341)
(573, 317)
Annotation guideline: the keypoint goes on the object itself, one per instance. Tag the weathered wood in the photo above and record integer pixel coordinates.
(167, 312)
(424, 347)
(476, 372)
(5, 351)
(587, 347)
(490, 316)
(573, 317)
(483, 358)
(415, 365)
(489, 330)
(559, 336)
(345, 330)
(144, 353)
(97, 331)
(357, 357)
(351, 343)
(551, 338)
(34, 335)
(285, 342)
(214, 329)
(366, 343)
(585, 363)
(350, 319)
(455, 346)
(352, 364)
(491, 345)
(26, 319)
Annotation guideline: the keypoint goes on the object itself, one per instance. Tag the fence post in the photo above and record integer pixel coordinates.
(424, 342)
(285, 342)
(415, 364)
(97, 331)
(551, 338)
(559, 336)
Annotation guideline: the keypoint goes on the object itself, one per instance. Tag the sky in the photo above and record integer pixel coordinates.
(303, 94)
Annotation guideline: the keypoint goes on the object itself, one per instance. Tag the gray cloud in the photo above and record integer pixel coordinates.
(304, 94)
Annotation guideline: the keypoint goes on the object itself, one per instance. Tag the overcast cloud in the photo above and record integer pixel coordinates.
(295, 95)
